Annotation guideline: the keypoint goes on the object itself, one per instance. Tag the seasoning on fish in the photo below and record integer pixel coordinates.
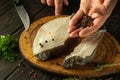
(52, 38)
(40, 44)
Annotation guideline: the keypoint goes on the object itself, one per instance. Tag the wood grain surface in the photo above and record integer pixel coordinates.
(108, 45)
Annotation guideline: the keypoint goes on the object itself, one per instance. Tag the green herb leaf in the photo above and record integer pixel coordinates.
(17, 1)
(8, 46)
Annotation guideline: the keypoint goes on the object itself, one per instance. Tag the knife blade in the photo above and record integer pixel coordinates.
(23, 16)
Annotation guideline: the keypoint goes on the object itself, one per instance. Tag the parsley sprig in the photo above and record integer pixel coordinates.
(8, 47)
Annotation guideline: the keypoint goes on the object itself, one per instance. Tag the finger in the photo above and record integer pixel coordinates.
(109, 5)
(85, 5)
(97, 9)
(75, 20)
(85, 32)
(43, 1)
(66, 2)
(97, 12)
(71, 28)
(90, 30)
(58, 7)
(50, 2)
(75, 33)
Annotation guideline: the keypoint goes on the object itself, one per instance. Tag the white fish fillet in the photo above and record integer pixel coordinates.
(85, 51)
(52, 34)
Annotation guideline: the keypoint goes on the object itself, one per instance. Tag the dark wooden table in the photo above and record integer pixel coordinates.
(11, 24)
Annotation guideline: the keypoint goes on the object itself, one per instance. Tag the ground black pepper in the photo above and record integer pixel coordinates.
(52, 39)
(85, 21)
(46, 41)
(40, 44)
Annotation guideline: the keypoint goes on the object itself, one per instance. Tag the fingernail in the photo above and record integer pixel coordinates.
(73, 35)
(56, 14)
(68, 30)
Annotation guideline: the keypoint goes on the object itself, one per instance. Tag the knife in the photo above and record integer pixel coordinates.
(23, 16)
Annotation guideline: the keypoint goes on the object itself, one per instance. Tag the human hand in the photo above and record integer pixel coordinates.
(57, 3)
(99, 10)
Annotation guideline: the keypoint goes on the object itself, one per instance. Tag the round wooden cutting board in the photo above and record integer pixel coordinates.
(108, 45)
